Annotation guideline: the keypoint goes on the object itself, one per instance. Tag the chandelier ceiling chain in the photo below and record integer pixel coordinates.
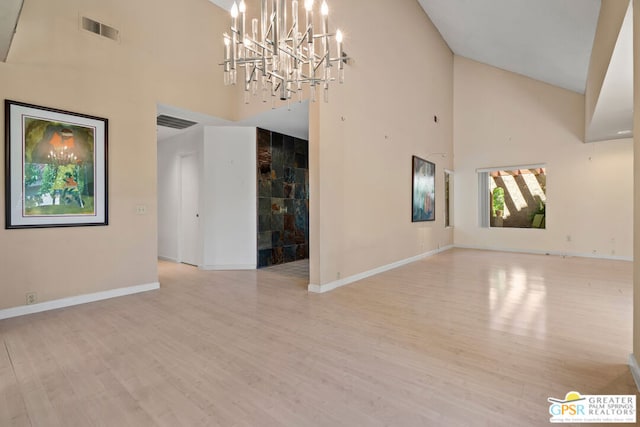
(280, 59)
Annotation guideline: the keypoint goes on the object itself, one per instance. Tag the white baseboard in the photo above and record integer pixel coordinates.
(76, 300)
(635, 370)
(228, 267)
(347, 280)
(166, 258)
(541, 252)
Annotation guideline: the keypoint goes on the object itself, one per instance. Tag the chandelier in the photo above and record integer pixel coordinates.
(279, 59)
(62, 155)
(62, 145)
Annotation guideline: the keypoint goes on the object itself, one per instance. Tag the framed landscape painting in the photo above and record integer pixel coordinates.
(56, 167)
(424, 196)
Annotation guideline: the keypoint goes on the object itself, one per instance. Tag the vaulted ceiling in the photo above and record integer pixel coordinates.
(547, 40)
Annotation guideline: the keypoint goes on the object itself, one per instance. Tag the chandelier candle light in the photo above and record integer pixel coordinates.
(282, 58)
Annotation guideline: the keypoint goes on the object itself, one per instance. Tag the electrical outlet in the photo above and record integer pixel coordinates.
(32, 298)
(141, 210)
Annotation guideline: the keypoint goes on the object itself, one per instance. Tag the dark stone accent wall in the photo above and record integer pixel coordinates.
(283, 198)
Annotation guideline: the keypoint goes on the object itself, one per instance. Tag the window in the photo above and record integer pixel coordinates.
(513, 197)
(447, 198)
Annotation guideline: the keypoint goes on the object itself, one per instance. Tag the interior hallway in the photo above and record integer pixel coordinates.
(463, 338)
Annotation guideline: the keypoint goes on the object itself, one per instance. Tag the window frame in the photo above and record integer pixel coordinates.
(484, 193)
(448, 193)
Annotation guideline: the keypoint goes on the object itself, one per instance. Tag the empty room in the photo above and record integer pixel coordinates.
(318, 213)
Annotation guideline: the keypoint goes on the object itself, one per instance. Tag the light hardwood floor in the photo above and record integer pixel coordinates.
(463, 338)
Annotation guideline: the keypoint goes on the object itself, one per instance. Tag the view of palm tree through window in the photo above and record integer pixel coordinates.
(518, 198)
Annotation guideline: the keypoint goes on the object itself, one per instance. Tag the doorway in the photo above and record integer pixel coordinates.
(189, 222)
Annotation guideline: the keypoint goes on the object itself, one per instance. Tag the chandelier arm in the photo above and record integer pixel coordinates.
(300, 45)
(245, 61)
(253, 72)
(295, 56)
(289, 36)
(251, 49)
(314, 80)
(305, 36)
(269, 30)
(321, 62)
(268, 47)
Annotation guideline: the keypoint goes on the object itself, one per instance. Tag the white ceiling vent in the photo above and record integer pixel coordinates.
(173, 122)
(100, 28)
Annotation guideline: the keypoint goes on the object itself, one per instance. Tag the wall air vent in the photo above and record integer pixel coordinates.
(100, 28)
(173, 122)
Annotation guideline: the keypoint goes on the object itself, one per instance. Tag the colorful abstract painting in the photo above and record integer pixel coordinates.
(56, 175)
(424, 194)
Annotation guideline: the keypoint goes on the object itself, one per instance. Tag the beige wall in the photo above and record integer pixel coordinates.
(167, 53)
(504, 119)
(362, 141)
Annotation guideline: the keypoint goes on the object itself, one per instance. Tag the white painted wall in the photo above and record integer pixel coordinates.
(228, 209)
(169, 152)
(229, 198)
(504, 119)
